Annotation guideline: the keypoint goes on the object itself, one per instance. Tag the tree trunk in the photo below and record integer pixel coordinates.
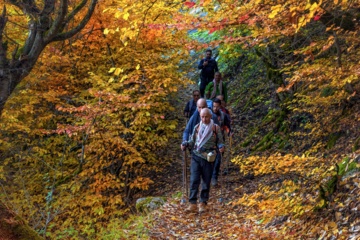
(12, 227)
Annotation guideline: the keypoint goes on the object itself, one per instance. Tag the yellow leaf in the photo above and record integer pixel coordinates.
(112, 70)
(138, 67)
(117, 71)
(126, 16)
(123, 78)
(106, 31)
(275, 10)
(313, 6)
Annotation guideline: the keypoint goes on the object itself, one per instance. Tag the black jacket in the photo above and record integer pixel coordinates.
(209, 70)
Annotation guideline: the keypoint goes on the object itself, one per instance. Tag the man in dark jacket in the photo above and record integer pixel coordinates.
(224, 123)
(208, 68)
(190, 107)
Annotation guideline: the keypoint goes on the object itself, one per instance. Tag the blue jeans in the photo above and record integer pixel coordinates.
(200, 169)
(217, 166)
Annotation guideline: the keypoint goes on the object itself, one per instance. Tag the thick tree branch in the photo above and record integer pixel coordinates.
(81, 25)
(28, 6)
(3, 20)
(44, 27)
(75, 11)
(59, 23)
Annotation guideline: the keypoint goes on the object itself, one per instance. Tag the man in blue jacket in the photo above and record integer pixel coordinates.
(208, 68)
(195, 119)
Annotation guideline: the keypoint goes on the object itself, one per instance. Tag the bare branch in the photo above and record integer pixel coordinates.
(27, 6)
(75, 11)
(59, 22)
(3, 20)
(81, 25)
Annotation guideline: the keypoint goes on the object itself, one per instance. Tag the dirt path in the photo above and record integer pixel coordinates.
(265, 206)
(171, 222)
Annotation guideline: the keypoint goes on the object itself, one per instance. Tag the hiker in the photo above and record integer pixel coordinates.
(223, 105)
(206, 142)
(208, 68)
(216, 87)
(195, 119)
(224, 124)
(190, 107)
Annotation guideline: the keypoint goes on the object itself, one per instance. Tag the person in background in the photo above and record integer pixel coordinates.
(190, 107)
(224, 124)
(206, 142)
(223, 105)
(216, 87)
(208, 66)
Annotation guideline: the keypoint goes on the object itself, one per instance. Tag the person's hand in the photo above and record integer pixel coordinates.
(205, 63)
(222, 149)
(183, 146)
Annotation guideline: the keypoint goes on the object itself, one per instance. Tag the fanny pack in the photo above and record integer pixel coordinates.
(210, 156)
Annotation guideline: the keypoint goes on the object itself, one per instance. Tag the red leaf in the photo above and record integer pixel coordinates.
(213, 30)
(243, 18)
(317, 17)
(189, 4)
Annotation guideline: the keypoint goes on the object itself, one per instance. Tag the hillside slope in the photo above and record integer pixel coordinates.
(285, 181)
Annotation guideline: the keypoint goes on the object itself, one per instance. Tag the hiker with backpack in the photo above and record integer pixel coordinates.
(195, 119)
(207, 142)
(190, 107)
(208, 66)
(223, 105)
(216, 87)
(224, 124)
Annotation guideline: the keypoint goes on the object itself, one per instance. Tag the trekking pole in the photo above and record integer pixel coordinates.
(185, 190)
(221, 199)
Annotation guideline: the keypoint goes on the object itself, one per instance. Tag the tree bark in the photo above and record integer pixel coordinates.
(52, 23)
(45, 26)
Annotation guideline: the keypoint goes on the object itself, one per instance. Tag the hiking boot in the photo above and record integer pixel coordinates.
(202, 207)
(191, 208)
(214, 182)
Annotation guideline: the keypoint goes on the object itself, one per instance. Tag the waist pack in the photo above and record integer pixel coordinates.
(210, 156)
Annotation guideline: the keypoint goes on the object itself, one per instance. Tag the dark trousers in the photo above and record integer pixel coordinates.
(217, 166)
(203, 83)
(200, 170)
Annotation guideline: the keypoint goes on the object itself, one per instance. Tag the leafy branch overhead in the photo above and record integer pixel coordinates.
(24, 36)
(93, 116)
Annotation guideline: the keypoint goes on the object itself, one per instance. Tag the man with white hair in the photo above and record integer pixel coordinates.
(206, 142)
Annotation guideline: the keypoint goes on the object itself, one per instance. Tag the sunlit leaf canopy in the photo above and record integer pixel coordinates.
(84, 134)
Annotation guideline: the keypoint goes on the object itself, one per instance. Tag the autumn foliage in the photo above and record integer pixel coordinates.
(86, 132)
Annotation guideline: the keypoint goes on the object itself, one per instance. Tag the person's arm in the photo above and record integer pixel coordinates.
(201, 64)
(220, 139)
(186, 132)
(187, 109)
(215, 119)
(192, 138)
(189, 127)
(227, 123)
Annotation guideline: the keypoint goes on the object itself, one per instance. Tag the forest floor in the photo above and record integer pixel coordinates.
(225, 219)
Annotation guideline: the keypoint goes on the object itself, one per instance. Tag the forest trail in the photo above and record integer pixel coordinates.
(222, 219)
(266, 206)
